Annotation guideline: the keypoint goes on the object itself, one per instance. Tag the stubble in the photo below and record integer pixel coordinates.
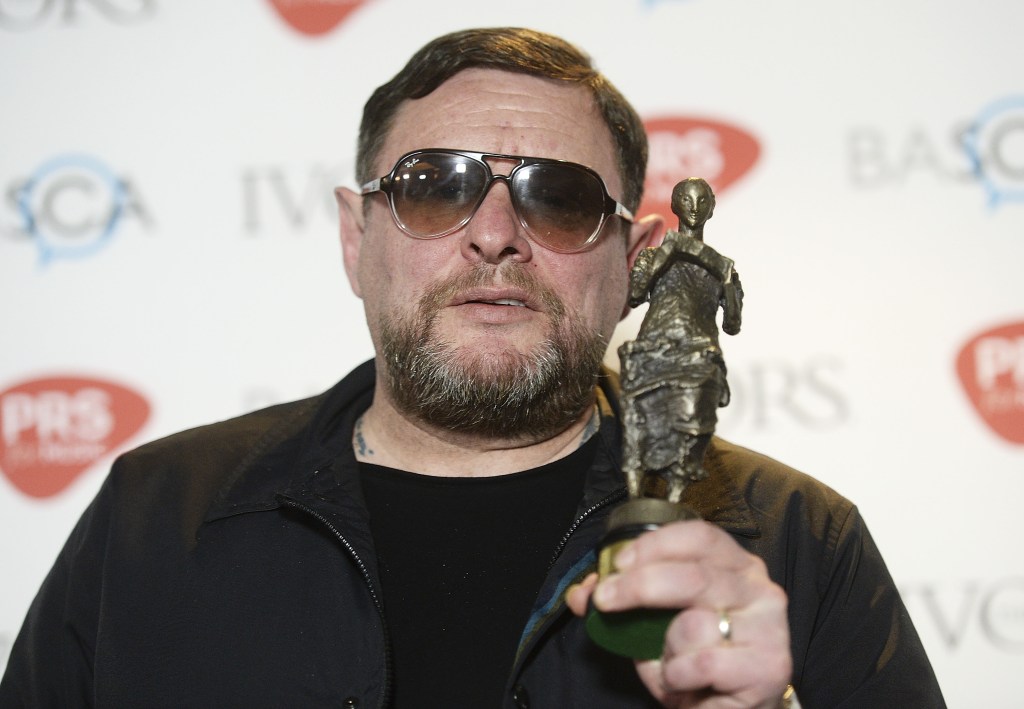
(512, 395)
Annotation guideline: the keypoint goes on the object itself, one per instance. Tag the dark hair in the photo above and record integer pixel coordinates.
(509, 49)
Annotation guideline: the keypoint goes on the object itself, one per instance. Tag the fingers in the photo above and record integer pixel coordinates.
(729, 644)
(683, 541)
(692, 630)
(745, 675)
(762, 625)
(577, 596)
(700, 668)
(682, 565)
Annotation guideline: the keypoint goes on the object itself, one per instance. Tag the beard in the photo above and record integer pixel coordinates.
(511, 395)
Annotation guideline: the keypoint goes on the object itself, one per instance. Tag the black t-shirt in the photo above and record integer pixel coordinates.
(461, 562)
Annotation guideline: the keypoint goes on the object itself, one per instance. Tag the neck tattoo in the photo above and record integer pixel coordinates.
(363, 450)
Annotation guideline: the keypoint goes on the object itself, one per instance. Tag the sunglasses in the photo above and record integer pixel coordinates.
(435, 192)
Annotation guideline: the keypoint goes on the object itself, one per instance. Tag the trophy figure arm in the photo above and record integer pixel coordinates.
(649, 263)
(732, 305)
(699, 253)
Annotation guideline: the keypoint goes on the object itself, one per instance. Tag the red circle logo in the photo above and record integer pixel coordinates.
(53, 429)
(991, 370)
(682, 147)
(315, 17)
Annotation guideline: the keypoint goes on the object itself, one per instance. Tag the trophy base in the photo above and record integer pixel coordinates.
(637, 633)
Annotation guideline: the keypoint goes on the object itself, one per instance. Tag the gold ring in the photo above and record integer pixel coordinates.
(725, 625)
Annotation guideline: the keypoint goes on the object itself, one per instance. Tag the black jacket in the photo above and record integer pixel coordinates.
(232, 566)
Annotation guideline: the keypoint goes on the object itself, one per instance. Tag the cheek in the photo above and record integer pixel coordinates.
(373, 277)
(598, 289)
(380, 280)
(614, 288)
(395, 270)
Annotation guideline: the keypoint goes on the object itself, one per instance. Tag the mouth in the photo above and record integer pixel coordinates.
(499, 297)
(502, 301)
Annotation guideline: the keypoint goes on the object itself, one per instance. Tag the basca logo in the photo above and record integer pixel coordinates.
(995, 145)
(991, 369)
(51, 430)
(693, 147)
(988, 150)
(315, 17)
(72, 206)
(29, 14)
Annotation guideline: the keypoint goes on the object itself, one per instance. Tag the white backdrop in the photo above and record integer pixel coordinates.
(168, 253)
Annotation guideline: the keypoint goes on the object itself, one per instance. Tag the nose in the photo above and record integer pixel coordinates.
(494, 234)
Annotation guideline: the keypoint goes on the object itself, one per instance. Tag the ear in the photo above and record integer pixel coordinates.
(351, 227)
(645, 232)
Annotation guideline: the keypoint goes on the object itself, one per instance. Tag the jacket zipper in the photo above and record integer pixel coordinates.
(614, 497)
(369, 585)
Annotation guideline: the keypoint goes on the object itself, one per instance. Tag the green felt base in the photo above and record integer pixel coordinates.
(639, 634)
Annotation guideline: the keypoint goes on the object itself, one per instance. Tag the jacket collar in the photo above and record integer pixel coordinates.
(314, 436)
(717, 498)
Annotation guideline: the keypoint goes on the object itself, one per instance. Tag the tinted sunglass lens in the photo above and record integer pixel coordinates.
(434, 193)
(561, 205)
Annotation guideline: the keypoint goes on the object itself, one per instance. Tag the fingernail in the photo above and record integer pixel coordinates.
(625, 558)
(606, 592)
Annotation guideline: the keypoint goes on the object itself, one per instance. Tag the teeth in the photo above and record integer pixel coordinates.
(509, 301)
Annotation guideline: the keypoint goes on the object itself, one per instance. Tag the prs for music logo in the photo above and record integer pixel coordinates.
(682, 147)
(53, 429)
(315, 17)
(991, 369)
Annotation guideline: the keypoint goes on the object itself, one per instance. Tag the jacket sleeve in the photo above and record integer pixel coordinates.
(51, 661)
(863, 649)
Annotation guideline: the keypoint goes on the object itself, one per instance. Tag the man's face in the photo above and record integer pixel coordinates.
(490, 293)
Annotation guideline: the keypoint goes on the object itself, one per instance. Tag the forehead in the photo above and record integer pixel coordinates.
(485, 110)
(694, 188)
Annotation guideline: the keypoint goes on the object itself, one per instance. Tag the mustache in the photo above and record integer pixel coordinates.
(443, 292)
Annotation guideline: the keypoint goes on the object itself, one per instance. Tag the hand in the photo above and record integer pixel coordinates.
(698, 567)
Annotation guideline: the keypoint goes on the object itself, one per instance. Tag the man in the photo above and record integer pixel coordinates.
(408, 538)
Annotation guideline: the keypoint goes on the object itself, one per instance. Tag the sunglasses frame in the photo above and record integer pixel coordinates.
(385, 183)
